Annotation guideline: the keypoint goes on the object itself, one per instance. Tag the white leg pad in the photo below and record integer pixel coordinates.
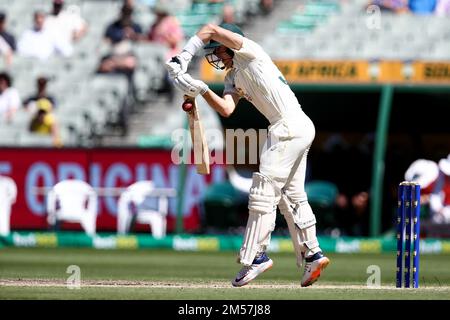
(257, 236)
(261, 220)
(297, 242)
(302, 227)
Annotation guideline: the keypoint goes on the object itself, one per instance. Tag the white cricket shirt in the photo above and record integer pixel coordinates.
(256, 78)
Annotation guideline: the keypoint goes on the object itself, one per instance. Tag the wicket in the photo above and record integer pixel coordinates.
(408, 227)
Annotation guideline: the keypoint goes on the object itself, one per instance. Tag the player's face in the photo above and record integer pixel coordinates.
(220, 58)
(223, 54)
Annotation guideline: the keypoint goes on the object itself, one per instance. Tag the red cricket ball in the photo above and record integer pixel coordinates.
(187, 106)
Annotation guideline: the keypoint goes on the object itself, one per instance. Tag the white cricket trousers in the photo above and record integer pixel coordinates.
(283, 158)
(283, 162)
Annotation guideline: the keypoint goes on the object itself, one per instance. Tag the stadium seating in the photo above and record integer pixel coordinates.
(140, 203)
(341, 30)
(73, 201)
(199, 13)
(92, 106)
(89, 104)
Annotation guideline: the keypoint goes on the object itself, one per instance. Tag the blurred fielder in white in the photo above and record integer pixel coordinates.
(434, 180)
(424, 172)
(73, 201)
(440, 197)
(252, 75)
(136, 204)
(8, 195)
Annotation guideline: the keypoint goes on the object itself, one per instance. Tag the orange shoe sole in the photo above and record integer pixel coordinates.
(316, 274)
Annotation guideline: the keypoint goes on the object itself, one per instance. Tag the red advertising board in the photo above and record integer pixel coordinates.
(32, 168)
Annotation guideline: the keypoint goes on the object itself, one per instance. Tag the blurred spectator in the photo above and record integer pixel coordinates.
(67, 24)
(228, 13)
(119, 34)
(402, 6)
(266, 6)
(440, 198)
(166, 30)
(129, 3)
(7, 40)
(124, 28)
(8, 37)
(422, 7)
(442, 8)
(395, 6)
(6, 51)
(44, 122)
(42, 43)
(9, 98)
(41, 92)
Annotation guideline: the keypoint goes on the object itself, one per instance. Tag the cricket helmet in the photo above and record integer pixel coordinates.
(209, 48)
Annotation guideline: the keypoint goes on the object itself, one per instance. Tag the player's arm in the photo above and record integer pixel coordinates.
(214, 32)
(193, 87)
(179, 63)
(224, 106)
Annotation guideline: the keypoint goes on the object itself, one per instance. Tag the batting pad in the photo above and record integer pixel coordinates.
(297, 242)
(301, 223)
(261, 219)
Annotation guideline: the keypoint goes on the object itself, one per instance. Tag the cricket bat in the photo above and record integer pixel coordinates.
(201, 151)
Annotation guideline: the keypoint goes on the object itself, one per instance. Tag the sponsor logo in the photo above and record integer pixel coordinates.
(445, 247)
(430, 246)
(285, 246)
(348, 246)
(436, 71)
(104, 242)
(28, 240)
(46, 240)
(208, 244)
(370, 246)
(180, 243)
(127, 242)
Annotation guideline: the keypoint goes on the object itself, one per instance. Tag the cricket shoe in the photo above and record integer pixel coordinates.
(313, 267)
(248, 273)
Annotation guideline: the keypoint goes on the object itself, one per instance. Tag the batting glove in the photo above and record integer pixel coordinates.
(190, 86)
(178, 64)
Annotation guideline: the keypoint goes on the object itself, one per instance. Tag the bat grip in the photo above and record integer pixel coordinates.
(176, 60)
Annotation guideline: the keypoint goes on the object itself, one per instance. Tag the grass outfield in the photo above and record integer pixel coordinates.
(39, 273)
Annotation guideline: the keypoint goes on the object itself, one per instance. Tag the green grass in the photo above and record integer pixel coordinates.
(345, 278)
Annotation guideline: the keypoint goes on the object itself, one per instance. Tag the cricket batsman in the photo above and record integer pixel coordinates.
(252, 75)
